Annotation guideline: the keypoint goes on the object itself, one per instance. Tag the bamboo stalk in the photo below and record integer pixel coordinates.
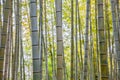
(116, 39)
(34, 33)
(102, 42)
(76, 41)
(59, 39)
(72, 40)
(6, 11)
(85, 65)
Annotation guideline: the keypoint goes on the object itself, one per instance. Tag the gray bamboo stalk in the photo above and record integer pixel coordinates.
(102, 42)
(10, 53)
(7, 49)
(41, 35)
(17, 19)
(97, 61)
(116, 39)
(118, 17)
(85, 65)
(13, 50)
(21, 59)
(6, 61)
(34, 36)
(72, 41)
(64, 66)
(76, 42)
(7, 54)
(6, 10)
(59, 39)
(10, 37)
(21, 47)
(118, 26)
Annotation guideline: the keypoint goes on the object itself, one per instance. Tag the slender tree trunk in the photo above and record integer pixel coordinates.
(59, 39)
(34, 33)
(41, 36)
(97, 65)
(116, 39)
(76, 42)
(6, 11)
(21, 47)
(7, 54)
(72, 40)
(13, 50)
(102, 44)
(10, 51)
(118, 17)
(17, 18)
(86, 41)
(7, 49)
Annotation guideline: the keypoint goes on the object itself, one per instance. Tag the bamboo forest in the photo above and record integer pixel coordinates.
(59, 39)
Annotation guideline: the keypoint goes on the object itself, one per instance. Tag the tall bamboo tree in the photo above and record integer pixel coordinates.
(10, 49)
(72, 41)
(85, 66)
(58, 4)
(102, 42)
(116, 39)
(41, 35)
(97, 61)
(13, 50)
(7, 49)
(17, 19)
(7, 54)
(34, 36)
(6, 10)
(76, 40)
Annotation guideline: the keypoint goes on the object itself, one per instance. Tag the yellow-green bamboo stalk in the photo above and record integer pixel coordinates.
(102, 42)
